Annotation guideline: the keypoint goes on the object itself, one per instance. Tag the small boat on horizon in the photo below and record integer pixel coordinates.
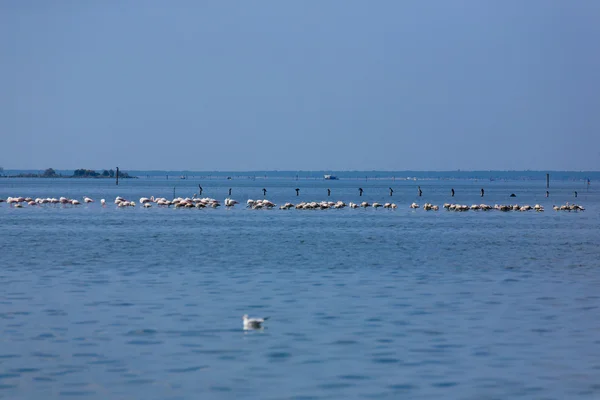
(330, 177)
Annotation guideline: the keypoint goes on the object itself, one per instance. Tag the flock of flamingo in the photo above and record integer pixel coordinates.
(207, 202)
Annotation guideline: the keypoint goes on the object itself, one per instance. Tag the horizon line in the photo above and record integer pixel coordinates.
(309, 171)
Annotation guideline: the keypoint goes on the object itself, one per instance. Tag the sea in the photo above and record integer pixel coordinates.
(147, 303)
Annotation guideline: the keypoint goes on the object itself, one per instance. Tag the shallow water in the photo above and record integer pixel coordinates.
(147, 303)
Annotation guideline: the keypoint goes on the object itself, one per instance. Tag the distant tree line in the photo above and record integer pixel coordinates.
(50, 173)
(78, 173)
(90, 173)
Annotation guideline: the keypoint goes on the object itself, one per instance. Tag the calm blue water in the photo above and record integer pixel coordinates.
(100, 303)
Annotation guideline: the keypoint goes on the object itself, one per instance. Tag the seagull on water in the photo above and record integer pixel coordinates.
(253, 323)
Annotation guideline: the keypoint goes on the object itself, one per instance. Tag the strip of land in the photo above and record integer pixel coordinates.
(78, 173)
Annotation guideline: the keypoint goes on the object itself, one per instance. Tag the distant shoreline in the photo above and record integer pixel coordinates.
(78, 173)
(65, 177)
(348, 175)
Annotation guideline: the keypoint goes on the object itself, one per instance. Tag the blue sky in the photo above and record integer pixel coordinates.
(331, 85)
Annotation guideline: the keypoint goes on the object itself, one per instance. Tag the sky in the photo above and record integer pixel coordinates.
(300, 85)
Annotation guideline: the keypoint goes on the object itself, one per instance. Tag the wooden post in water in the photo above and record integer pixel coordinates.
(117, 176)
(547, 181)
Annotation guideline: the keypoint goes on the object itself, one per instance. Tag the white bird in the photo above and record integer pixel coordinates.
(103, 202)
(253, 323)
(87, 200)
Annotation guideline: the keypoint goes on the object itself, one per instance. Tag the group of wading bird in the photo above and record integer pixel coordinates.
(208, 202)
